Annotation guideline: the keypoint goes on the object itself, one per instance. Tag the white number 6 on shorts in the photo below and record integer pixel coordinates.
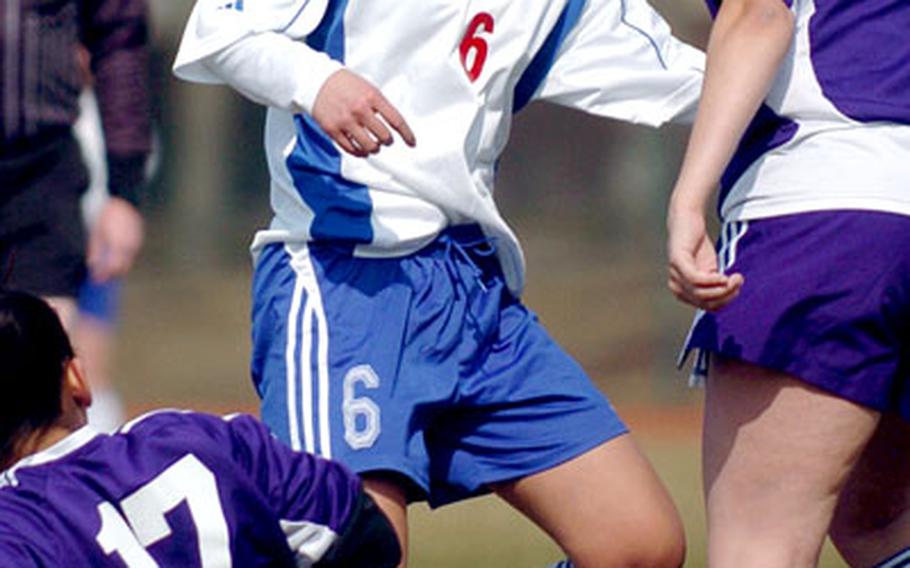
(360, 434)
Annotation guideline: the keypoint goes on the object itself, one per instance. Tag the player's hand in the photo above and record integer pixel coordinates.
(357, 116)
(115, 240)
(694, 277)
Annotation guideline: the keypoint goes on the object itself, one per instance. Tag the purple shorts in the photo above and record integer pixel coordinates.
(826, 299)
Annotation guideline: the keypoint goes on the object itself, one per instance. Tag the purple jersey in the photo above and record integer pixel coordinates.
(173, 489)
(835, 127)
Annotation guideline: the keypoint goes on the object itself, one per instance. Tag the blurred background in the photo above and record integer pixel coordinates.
(586, 196)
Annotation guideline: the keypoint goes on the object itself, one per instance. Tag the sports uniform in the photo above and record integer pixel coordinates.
(387, 328)
(816, 211)
(182, 489)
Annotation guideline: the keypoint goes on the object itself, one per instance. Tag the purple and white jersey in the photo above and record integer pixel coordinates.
(173, 489)
(456, 71)
(834, 132)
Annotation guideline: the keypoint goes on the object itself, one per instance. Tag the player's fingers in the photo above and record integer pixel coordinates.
(377, 129)
(678, 291)
(715, 290)
(347, 144)
(717, 299)
(687, 270)
(716, 304)
(681, 290)
(706, 297)
(394, 119)
(697, 285)
(361, 139)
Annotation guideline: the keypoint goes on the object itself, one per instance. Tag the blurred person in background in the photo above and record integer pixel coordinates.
(98, 302)
(43, 245)
(172, 488)
(804, 304)
(388, 330)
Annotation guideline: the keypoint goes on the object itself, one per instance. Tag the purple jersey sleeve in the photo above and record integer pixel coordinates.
(299, 486)
(16, 553)
(311, 498)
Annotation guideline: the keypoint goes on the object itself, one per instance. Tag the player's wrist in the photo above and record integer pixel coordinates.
(316, 68)
(126, 177)
(685, 203)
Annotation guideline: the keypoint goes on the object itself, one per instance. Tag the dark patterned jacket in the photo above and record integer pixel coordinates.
(40, 79)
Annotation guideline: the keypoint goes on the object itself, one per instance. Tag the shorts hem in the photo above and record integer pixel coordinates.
(482, 487)
(815, 377)
(417, 489)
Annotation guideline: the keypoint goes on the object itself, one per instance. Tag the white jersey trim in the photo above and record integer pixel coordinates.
(59, 450)
(309, 541)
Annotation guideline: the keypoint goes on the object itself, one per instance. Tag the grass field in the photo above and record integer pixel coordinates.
(185, 343)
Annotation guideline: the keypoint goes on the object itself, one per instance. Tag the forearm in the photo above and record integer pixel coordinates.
(748, 42)
(273, 70)
(368, 540)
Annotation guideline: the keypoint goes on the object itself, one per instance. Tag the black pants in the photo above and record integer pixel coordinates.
(42, 234)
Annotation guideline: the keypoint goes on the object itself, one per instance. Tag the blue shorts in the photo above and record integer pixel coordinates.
(826, 299)
(424, 366)
(100, 301)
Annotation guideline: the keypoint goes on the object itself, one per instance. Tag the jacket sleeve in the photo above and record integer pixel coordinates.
(618, 58)
(115, 32)
(256, 47)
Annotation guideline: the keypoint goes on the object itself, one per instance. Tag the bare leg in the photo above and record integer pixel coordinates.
(872, 519)
(776, 454)
(605, 508)
(94, 342)
(390, 497)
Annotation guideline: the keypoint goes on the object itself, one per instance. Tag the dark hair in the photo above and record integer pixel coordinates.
(34, 351)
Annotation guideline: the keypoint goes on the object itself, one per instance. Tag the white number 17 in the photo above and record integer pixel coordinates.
(143, 523)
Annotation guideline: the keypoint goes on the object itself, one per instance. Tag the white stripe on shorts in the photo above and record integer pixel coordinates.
(730, 234)
(313, 313)
(291, 367)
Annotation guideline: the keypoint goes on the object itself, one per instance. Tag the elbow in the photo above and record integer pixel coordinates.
(767, 16)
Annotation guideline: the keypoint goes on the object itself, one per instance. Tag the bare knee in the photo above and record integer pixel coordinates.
(652, 541)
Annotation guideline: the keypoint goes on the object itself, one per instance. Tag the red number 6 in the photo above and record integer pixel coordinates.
(472, 43)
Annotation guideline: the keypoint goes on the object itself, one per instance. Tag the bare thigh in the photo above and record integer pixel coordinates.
(776, 454)
(606, 507)
(872, 519)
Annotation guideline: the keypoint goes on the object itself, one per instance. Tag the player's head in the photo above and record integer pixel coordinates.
(36, 364)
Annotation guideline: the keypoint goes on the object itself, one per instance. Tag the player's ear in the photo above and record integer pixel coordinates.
(76, 384)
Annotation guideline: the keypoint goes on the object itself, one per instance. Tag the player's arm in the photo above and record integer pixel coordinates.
(748, 42)
(328, 518)
(257, 51)
(115, 33)
(368, 539)
(618, 59)
(16, 551)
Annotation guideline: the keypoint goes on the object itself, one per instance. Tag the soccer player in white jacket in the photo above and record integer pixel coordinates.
(388, 329)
